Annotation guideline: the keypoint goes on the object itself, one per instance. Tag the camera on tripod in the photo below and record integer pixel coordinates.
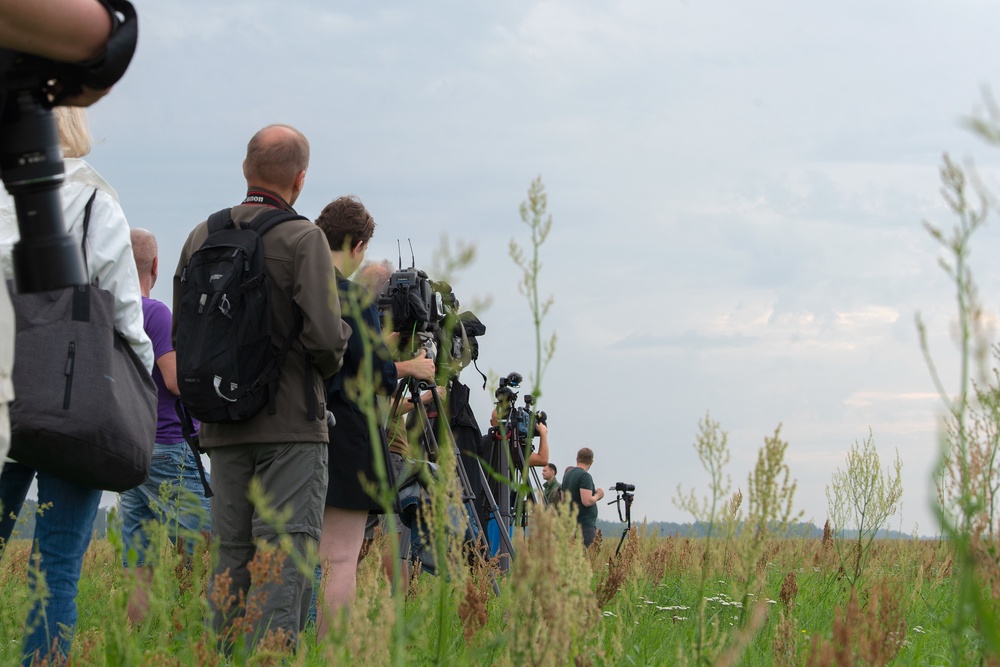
(410, 302)
(624, 491)
(426, 311)
(519, 417)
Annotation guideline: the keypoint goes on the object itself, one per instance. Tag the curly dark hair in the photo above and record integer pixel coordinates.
(346, 222)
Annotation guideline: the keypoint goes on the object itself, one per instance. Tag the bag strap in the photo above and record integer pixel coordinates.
(220, 220)
(81, 293)
(191, 438)
(86, 225)
(262, 224)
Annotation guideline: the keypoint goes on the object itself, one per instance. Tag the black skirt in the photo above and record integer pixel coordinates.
(350, 459)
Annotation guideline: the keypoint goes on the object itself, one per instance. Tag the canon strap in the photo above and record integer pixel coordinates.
(262, 198)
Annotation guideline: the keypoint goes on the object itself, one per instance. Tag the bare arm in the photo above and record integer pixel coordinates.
(167, 363)
(66, 30)
(540, 459)
(426, 398)
(420, 367)
(590, 498)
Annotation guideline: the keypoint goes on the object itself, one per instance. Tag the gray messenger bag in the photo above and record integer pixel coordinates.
(84, 405)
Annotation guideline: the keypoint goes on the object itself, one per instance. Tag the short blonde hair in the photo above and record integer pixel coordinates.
(74, 131)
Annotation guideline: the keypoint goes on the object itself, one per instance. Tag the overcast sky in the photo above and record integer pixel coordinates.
(737, 191)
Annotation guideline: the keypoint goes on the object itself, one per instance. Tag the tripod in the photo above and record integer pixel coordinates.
(623, 494)
(513, 486)
(431, 448)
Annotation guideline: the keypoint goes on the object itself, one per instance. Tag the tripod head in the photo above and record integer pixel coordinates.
(625, 494)
(515, 421)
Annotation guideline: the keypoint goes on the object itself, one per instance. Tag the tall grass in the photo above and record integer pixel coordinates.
(749, 593)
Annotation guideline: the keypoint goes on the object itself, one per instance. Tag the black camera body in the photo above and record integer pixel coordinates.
(518, 417)
(410, 302)
(522, 418)
(425, 313)
(622, 487)
(31, 164)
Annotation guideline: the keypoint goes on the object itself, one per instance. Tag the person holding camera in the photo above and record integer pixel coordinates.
(495, 434)
(68, 31)
(63, 531)
(578, 485)
(349, 227)
(375, 277)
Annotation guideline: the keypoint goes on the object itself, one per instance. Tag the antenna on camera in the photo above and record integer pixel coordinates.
(399, 253)
(413, 260)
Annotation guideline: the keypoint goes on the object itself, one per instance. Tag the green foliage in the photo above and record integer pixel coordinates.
(534, 214)
(961, 504)
(745, 538)
(547, 612)
(862, 497)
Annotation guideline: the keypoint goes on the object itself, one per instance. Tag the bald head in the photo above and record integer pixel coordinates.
(277, 158)
(144, 251)
(374, 276)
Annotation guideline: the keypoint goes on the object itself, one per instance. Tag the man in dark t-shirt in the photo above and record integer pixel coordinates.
(578, 486)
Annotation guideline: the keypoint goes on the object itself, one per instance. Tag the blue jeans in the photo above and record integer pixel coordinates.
(62, 534)
(172, 495)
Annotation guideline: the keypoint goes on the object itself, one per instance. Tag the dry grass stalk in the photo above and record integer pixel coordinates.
(785, 646)
(369, 630)
(551, 608)
(618, 570)
(872, 634)
(789, 589)
(473, 607)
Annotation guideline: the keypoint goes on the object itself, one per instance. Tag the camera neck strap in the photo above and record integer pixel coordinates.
(264, 198)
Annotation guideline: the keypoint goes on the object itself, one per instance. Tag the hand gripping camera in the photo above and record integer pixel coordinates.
(46, 257)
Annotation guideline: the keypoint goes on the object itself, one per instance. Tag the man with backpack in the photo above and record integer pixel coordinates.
(253, 348)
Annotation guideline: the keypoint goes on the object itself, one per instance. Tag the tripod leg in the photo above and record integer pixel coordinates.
(430, 443)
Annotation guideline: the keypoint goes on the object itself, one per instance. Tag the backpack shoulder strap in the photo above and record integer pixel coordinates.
(220, 220)
(262, 224)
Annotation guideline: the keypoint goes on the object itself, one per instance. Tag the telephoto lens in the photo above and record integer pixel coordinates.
(45, 257)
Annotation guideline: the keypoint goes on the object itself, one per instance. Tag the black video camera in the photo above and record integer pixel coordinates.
(411, 303)
(622, 487)
(46, 257)
(426, 311)
(518, 417)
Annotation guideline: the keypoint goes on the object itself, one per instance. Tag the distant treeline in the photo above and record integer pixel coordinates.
(26, 527)
(668, 528)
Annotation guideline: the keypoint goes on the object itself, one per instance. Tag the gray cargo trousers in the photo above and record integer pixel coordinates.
(293, 477)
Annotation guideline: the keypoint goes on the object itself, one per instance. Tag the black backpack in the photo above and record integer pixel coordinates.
(227, 368)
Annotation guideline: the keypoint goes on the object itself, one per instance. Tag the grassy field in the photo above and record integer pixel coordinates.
(663, 601)
(749, 593)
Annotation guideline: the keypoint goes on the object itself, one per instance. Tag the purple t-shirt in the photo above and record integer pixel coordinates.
(157, 322)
